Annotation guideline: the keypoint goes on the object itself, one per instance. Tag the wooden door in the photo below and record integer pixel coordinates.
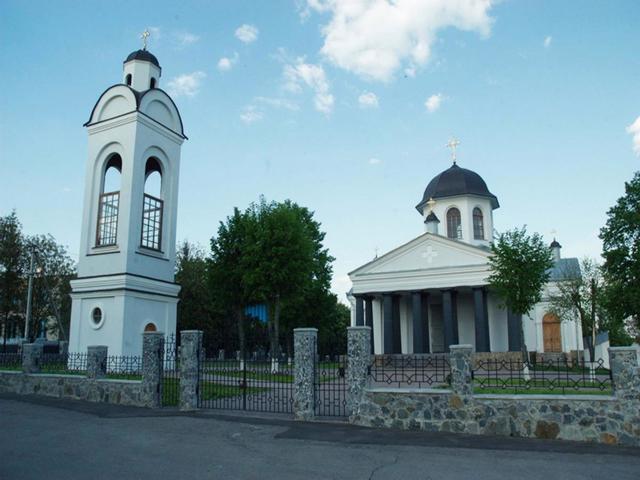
(551, 333)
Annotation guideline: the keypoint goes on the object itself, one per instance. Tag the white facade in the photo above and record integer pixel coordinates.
(125, 280)
(434, 266)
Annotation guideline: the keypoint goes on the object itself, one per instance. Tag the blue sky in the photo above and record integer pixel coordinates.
(345, 110)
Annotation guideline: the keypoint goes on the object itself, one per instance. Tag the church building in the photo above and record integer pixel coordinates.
(125, 283)
(433, 292)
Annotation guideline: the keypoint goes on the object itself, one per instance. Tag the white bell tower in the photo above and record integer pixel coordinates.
(125, 281)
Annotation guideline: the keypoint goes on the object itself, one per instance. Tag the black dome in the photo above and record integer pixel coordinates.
(143, 55)
(457, 181)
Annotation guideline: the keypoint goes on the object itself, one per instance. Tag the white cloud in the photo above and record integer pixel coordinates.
(634, 130)
(375, 161)
(278, 103)
(410, 71)
(314, 77)
(433, 102)
(368, 100)
(251, 114)
(247, 33)
(155, 32)
(226, 63)
(547, 41)
(374, 38)
(187, 84)
(185, 39)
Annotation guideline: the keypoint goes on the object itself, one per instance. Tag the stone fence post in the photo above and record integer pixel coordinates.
(359, 359)
(152, 368)
(305, 352)
(96, 361)
(461, 365)
(625, 372)
(31, 357)
(190, 357)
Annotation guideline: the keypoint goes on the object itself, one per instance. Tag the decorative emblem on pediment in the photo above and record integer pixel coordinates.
(429, 254)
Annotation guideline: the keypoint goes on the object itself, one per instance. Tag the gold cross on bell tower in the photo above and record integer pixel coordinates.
(453, 144)
(144, 37)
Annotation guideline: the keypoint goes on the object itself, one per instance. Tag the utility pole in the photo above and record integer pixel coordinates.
(593, 318)
(29, 295)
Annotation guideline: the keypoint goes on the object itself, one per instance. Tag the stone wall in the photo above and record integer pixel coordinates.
(593, 418)
(121, 392)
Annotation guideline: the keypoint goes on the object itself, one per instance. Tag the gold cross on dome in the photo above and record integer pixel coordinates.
(453, 144)
(144, 37)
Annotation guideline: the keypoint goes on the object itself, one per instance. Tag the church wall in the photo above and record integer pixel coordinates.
(84, 332)
(378, 334)
(498, 335)
(466, 320)
(406, 325)
(465, 204)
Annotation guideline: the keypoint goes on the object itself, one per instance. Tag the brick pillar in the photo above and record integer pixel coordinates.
(625, 372)
(359, 359)
(152, 368)
(31, 357)
(305, 351)
(460, 361)
(190, 357)
(96, 361)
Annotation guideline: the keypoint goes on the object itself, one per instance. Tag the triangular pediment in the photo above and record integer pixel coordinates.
(426, 252)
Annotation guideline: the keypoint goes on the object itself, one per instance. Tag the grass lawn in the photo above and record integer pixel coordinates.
(543, 387)
(252, 375)
(541, 367)
(12, 368)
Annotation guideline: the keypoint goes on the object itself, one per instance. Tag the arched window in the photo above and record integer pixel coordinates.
(128, 79)
(478, 224)
(107, 231)
(454, 224)
(152, 83)
(150, 327)
(152, 206)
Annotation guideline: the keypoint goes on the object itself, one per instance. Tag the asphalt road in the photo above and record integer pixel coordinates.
(60, 439)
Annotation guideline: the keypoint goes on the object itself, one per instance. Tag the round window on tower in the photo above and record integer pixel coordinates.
(97, 317)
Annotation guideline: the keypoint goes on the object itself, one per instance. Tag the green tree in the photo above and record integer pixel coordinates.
(520, 267)
(287, 259)
(11, 271)
(194, 307)
(621, 252)
(578, 297)
(51, 288)
(231, 260)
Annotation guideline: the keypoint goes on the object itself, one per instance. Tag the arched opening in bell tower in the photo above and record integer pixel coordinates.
(109, 202)
(152, 206)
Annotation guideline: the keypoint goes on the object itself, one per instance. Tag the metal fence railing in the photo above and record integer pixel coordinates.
(10, 361)
(72, 363)
(554, 376)
(410, 371)
(124, 367)
(171, 373)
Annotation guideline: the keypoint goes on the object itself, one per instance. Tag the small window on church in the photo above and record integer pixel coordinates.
(152, 206)
(129, 79)
(152, 83)
(454, 224)
(107, 231)
(478, 224)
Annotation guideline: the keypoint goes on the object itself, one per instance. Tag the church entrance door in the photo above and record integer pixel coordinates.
(551, 333)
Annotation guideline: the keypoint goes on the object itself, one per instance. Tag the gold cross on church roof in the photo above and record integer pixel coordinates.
(453, 144)
(144, 37)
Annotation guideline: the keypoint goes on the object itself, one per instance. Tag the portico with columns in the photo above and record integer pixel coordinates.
(433, 291)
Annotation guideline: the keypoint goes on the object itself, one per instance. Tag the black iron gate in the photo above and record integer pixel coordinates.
(331, 386)
(170, 373)
(259, 385)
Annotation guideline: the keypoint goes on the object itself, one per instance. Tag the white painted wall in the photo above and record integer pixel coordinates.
(466, 204)
(113, 277)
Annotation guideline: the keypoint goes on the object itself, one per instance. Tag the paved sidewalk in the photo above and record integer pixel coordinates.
(63, 439)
